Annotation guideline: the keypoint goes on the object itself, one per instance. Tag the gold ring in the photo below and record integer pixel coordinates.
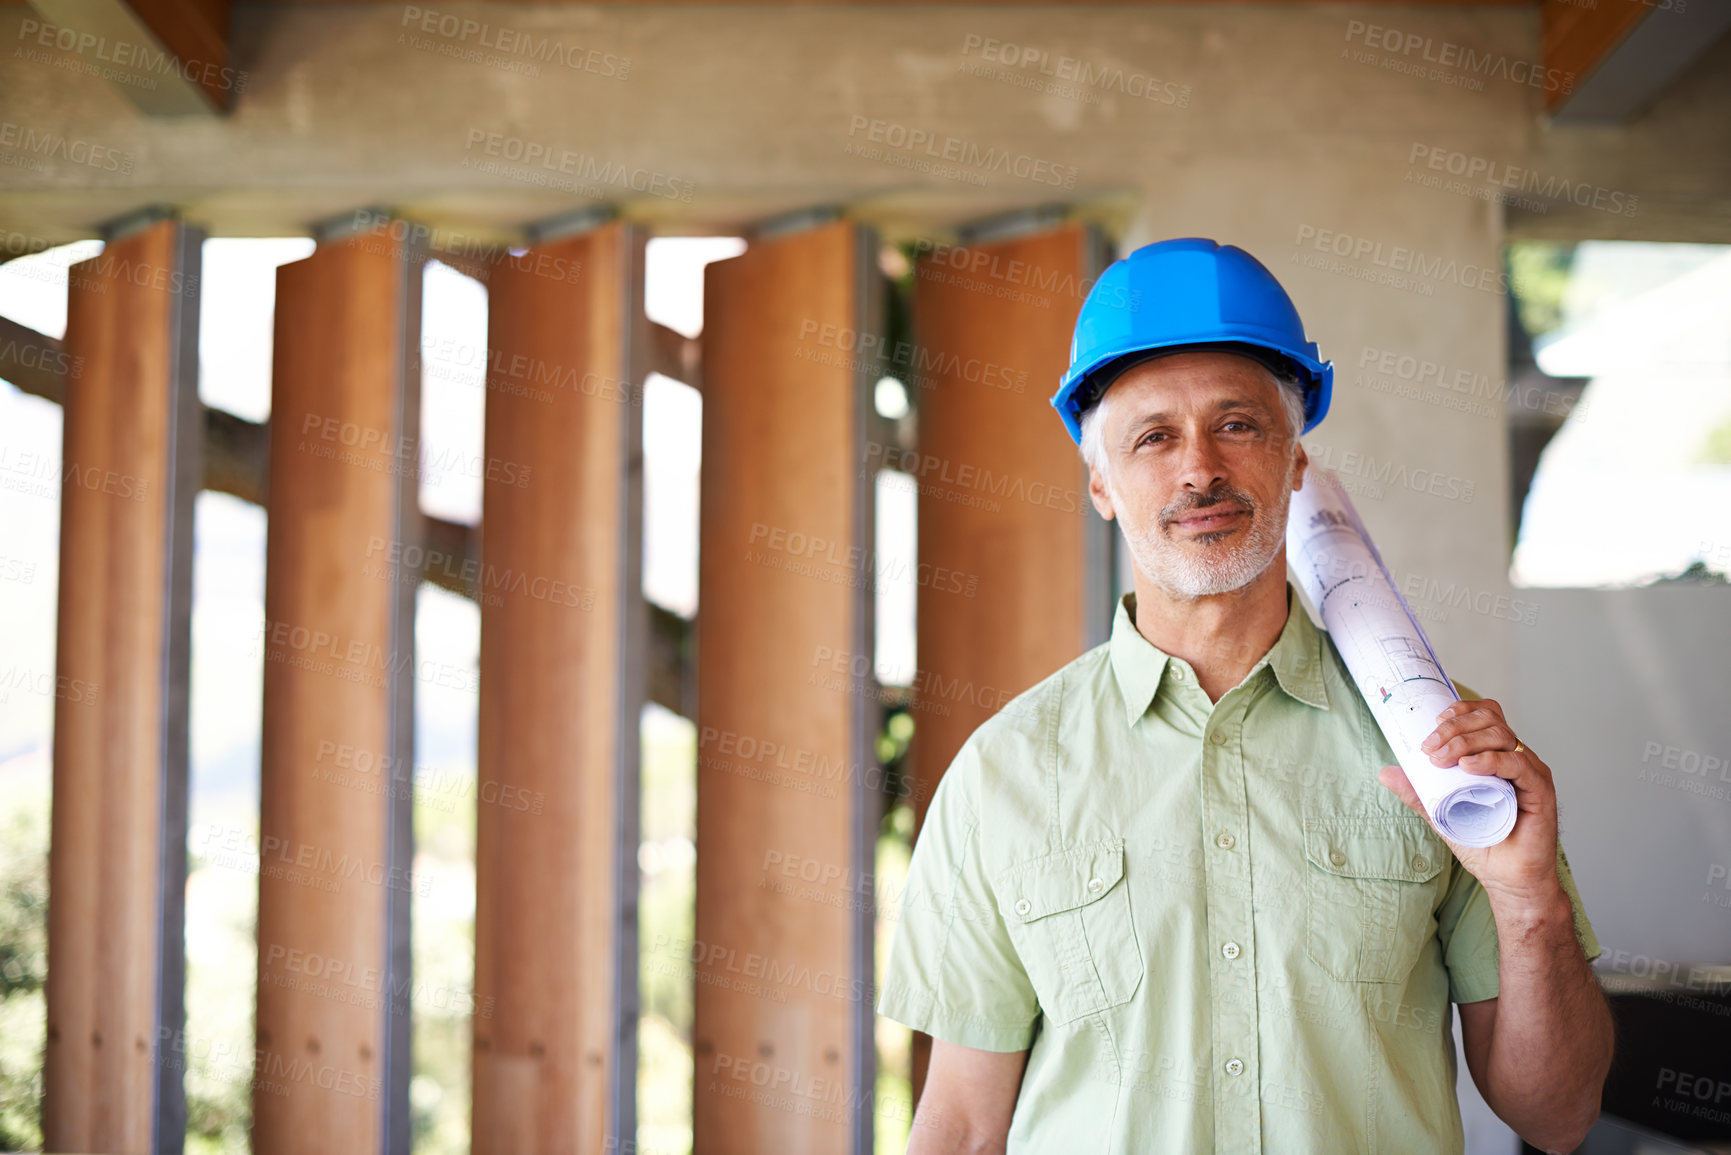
(1518, 747)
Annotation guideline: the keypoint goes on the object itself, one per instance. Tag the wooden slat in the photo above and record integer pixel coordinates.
(1003, 501)
(35, 362)
(338, 650)
(1576, 38)
(168, 57)
(673, 354)
(118, 843)
(561, 689)
(930, 3)
(780, 1058)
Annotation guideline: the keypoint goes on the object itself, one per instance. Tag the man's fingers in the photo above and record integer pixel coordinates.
(1523, 770)
(1462, 718)
(1468, 705)
(1497, 737)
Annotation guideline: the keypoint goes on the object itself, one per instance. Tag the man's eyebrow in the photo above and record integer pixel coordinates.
(1241, 403)
(1145, 420)
(1148, 419)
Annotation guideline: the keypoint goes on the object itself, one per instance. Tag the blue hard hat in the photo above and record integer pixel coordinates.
(1189, 294)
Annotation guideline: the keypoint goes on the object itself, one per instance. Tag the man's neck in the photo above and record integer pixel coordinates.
(1223, 635)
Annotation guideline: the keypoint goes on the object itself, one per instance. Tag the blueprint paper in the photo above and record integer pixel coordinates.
(1390, 659)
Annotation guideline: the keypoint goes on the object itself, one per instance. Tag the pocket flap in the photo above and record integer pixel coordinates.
(1062, 881)
(1372, 847)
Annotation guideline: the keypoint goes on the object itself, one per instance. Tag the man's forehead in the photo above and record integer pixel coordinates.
(1204, 364)
(1188, 380)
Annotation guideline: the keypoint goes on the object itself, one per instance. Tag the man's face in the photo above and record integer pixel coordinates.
(1199, 466)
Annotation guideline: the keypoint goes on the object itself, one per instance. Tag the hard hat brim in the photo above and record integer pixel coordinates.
(1084, 385)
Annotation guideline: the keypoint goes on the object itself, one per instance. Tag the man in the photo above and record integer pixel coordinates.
(1170, 899)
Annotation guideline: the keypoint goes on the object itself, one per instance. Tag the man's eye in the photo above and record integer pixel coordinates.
(1236, 426)
(1150, 438)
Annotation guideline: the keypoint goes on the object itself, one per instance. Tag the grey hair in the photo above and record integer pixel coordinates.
(1094, 448)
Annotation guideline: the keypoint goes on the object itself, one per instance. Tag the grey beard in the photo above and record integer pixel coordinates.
(1177, 570)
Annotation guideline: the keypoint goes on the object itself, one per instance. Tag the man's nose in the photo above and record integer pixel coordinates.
(1203, 466)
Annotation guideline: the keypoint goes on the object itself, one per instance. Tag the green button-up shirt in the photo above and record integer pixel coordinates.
(1208, 923)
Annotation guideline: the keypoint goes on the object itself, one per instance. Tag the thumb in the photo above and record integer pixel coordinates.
(1394, 778)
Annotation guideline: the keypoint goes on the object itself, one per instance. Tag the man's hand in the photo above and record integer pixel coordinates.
(1540, 1049)
(1521, 870)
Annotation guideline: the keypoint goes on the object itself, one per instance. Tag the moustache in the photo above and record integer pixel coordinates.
(1201, 501)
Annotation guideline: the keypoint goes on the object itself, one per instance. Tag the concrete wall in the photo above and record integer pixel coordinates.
(1623, 693)
(1663, 176)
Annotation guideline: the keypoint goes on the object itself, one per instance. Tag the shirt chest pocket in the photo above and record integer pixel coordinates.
(1068, 915)
(1370, 894)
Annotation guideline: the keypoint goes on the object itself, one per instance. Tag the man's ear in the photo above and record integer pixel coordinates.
(1099, 494)
(1303, 464)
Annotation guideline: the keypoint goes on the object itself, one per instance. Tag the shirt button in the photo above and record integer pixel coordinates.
(1094, 884)
(1218, 738)
(1420, 862)
(1177, 674)
(1337, 858)
(1023, 906)
(1225, 841)
(1230, 950)
(1234, 1067)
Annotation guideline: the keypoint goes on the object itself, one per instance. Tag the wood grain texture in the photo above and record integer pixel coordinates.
(1003, 501)
(196, 32)
(781, 585)
(1576, 38)
(338, 452)
(109, 700)
(554, 697)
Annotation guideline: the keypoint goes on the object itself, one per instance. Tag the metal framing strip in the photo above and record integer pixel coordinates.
(632, 689)
(867, 800)
(398, 967)
(185, 477)
(1100, 586)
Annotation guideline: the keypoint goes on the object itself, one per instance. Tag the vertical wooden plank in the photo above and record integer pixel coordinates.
(333, 992)
(117, 857)
(563, 633)
(783, 1009)
(1003, 494)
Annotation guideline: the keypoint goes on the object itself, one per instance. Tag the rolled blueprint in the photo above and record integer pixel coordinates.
(1388, 656)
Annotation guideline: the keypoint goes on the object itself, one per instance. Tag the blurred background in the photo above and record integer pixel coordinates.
(511, 508)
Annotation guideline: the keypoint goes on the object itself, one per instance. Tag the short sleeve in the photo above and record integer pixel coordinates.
(1468, 933)
(952, 972)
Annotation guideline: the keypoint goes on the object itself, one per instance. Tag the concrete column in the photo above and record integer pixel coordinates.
(117, 860)
(563, 640)
(338, 639)
(783, 1043)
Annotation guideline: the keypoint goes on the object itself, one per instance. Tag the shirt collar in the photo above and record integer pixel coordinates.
(1139, 665)
(1296, 657)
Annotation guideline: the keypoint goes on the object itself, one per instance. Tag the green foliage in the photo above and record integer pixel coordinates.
(1697, 574)
(23, 904)
(439, 1084)
(1716, 448)
(23, 970)
(221, 970)
(667, 920)
(441, 1027)
(1539, 276)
